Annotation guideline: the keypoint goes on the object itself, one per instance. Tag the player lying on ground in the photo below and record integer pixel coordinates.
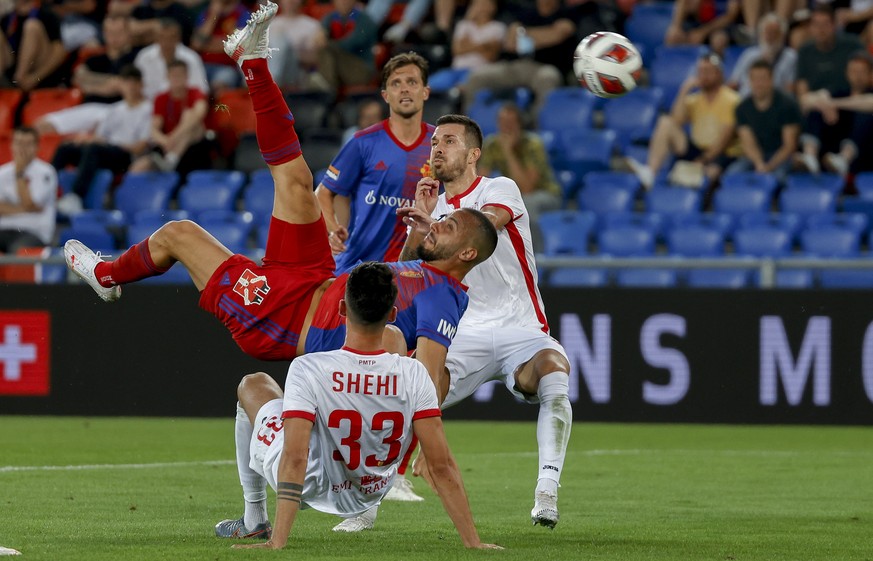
(333, 441)
(287, 306)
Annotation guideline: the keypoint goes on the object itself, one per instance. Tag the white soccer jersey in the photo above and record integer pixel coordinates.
(362, 406)
(503, 289)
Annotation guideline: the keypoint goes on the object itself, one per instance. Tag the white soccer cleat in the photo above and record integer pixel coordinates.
(402, 491)
(253, 40)
(545, 510)
(82, 261)
(358, 523)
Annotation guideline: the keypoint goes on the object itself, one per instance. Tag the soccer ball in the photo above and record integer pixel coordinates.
(607, 64)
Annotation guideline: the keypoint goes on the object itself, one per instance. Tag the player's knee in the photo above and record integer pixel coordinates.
(251, 383)
(172, 232)
(548, 361)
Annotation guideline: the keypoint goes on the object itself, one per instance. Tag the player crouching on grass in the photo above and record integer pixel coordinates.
(334, 439)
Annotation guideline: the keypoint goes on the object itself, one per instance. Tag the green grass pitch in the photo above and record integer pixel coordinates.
(152, 489)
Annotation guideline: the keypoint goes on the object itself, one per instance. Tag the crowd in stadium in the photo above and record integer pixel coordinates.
(745, 107)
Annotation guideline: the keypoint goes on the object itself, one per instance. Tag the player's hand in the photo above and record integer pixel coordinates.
(419, 220)
(426, 192)
(337, 239)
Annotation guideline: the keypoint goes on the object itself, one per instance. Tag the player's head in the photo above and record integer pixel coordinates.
(455, 146)
(466, 234)
(370, 295)
(404, 84)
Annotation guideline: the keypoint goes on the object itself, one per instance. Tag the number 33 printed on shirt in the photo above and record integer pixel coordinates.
(355, 428)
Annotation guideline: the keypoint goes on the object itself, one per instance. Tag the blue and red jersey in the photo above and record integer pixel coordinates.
(429, 304)
(379, 175)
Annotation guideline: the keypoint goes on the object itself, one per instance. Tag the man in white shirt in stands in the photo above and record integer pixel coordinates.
(153, 60)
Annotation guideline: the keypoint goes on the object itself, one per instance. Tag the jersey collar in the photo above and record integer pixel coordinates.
(402, 146)
(443, 273)
(370, 353)
(455, 201)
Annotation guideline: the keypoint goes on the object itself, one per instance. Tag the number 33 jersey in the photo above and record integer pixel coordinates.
(362, 406)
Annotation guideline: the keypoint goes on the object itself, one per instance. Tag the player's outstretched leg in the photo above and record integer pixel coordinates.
(82, 261)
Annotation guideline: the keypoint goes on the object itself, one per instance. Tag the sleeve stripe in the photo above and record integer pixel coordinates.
(296, 414)
(426, 413)
(512, 216)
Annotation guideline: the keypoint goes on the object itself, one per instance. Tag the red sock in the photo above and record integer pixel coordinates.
(133, 265)
(404, 463)
(274, 123)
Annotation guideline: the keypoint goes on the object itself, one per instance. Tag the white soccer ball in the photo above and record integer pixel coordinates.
(608, 64)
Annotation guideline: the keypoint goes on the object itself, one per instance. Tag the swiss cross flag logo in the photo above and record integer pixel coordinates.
(25, 346)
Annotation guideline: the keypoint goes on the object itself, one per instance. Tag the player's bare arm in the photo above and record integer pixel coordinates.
(447, 479)
(292, 470)
(498, 216)
(433, 356)
(336, 211)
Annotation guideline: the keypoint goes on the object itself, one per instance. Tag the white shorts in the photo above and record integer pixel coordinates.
(82, 118)
(479, 355)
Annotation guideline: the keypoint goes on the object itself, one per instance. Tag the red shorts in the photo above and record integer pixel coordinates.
(264, 306)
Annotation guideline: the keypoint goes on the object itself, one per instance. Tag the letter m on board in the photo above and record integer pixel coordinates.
(447, 329)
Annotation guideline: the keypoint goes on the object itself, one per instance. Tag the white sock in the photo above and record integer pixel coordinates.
(554, 423)
(254, 486)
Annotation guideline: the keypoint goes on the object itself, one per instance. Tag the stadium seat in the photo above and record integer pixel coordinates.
(485, 114)
(830, 241)
(672, 65)
(233, 236)
(247, 157)
(632, 116)
(857, 205)
(846, 278)
(864, 185)
(321, 147)
(654, 223)
(723, 223)
(695, 241)
(9, 100)
(577, 277)
(626, 241)
(93, 235)
(568, 108)
(830, 181)
(794, 278)
(673, 201)
(646, 278)
(138, 232)
(791, 223)
(52, 274)
(198, 197)
(145, 191)
(718, 278)
(159, 217)
(584, 150)
(741, 199)
(566, 232)
(99, 218)
(258, 199)
(233, 179)
(603, 198)
(765, 181)
(648, 23)
(236, 113)
(806, 201)
(855, 221)
(242, 218)
(569, 182)
(762, 241)
(310, 109)
(48, 100)
(439, 104)
(177, 274)
(627, 181)
(98, 191)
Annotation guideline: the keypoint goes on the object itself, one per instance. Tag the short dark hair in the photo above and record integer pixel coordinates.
(484, 234)
(23, 129)
(762, 64)
(370, 293)
(176, 63)
(862, 56)
(823, 9)
(472, 131)
(405, 59)
(130, 72)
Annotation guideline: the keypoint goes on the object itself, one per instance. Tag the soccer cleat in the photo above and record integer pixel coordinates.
(402, 490)
(545, 510)
(252, 41)
(364, 521)
(236, 529)
(82, 261)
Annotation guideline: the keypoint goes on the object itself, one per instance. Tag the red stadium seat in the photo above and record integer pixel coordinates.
(49, 100)
(9, 100)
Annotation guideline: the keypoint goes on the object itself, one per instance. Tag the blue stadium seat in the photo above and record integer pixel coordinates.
(485, 114)
(855, 221)
(632, 116)
(242, 218)
(566, 232)
(830, 241)
(92, 235)
(857, 205)
(741, 199)
(806, 201)
(258, 199)
(723, 223)
(567, 108)
(762, 241)
(233, 236)
(830, 181)
(652, 222)
(672, 65)
(846, 278)
(145, 191)
(646, 278)
(262, 230)
(95, 198)
(198, 197)
(718, 278)
(791, 223)
(104, 218)
(794, 278)
(569, 183)
(626, 241)
(260, 176)
(177, 274)
(673, 201)
(627, 181)
(695, 241)
(159, 217)
(648, 23)
(765, 181)
(233, 179)
(584, 150)
(601, 198)
(578, 277)
(138, 232)
(52, 274)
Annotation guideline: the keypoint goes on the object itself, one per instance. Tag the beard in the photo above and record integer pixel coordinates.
(430, 255)
(449, 171)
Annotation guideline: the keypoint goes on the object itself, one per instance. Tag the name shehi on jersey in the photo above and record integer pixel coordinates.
(366, 384)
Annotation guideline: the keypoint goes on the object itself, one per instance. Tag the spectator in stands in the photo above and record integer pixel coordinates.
(821, 62)
(856, 18)
(99, 81)
(345, 48)
(521, 156)
(294, 35)
(698, 22)
(772, 36)
(120, 137)
(369, 113)
(538, 54)
(753, 11)
(413, 14)
(216, 21)
(147, 21)
(153, 60)
(841, 126)
(478, 38)
(28, 189)
(80, 22)
(177, 127)
(711, 113)
(768, 124)
(31, 52)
